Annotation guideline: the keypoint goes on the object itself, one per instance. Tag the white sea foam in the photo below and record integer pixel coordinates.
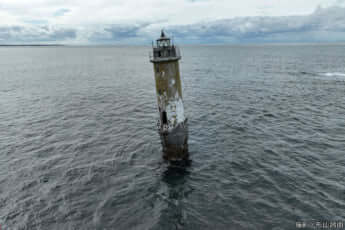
(335, 74)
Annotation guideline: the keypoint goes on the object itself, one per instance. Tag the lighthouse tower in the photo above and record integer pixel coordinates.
(172, 124)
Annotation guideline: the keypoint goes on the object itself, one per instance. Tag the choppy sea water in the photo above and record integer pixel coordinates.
(79, 147)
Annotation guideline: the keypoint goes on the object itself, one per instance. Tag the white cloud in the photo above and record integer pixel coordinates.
(171, 11)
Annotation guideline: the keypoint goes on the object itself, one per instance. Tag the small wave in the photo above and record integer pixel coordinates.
(335, 74)
(302, 73)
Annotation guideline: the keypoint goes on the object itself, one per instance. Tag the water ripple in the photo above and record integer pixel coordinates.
(80, 149)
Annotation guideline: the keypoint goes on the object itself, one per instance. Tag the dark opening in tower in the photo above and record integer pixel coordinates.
(164, 118)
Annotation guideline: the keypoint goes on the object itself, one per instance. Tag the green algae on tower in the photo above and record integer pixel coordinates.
(173, 127)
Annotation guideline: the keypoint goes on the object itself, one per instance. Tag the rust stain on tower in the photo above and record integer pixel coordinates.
(173, 128)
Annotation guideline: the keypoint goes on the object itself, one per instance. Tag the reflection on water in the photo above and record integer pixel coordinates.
(176, 177)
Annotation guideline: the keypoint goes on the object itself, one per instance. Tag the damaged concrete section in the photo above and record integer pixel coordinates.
(173, 127)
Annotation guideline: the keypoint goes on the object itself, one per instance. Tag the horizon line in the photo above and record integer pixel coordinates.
(186, 44)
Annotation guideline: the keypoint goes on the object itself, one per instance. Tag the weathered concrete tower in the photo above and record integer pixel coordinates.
(172, 125)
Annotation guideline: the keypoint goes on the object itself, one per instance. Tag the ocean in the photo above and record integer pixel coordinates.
(79, 146)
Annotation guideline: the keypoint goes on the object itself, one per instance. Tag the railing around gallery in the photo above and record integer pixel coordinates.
(165, 53)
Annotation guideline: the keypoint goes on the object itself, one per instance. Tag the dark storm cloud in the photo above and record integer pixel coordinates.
(21, 34)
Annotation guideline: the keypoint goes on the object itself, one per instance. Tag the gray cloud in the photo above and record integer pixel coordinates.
(123, 31)
(118, 33)
(33, 34)
(268, 29)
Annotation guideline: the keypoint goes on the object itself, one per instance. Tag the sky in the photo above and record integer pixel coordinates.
(187, 21)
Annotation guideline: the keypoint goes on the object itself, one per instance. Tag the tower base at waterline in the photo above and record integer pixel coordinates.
(175, 142)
